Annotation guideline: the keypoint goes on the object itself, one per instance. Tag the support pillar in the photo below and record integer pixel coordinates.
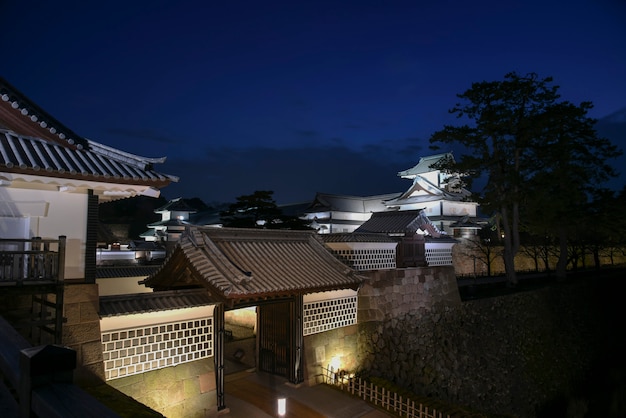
(218, 354)
(296, 375)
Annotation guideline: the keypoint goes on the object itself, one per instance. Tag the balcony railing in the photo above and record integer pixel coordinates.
(32, 261)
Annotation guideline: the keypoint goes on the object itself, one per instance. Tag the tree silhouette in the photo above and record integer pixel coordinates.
(259, 210)
(525, 144)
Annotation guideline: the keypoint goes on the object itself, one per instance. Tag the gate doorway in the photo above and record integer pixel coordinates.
(275, 338)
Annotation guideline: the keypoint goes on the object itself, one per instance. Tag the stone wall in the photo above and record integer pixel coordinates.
(385, 295)
(187, 390)
(337, 347)
(508, 355)
(81, 331)
(388, 294)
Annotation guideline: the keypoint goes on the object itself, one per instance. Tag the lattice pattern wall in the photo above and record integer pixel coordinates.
(324, 315)
(137, 350)
(368, 259)
(439, 256)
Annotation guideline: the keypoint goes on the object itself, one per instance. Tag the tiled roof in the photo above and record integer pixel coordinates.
(169, 223)
(240, 265)
(356, 237)
(343, 203)
(178, 205)
(424, 165)
(29, 155)
(395, 223)
(33, 142)
(152, 302)
(105, 272)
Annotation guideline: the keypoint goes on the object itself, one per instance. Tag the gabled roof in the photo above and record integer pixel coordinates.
(400, 223)
(175, 205)
(423, 190)
(34, 143)
(169, 223)
(424, 165)
(393, 223)
(245, 266)
(344, 203)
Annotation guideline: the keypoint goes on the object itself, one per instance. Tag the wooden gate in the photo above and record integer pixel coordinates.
(275, 338)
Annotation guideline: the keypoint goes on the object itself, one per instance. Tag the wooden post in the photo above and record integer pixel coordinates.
(218, 354)
(60, 291)
(296, 343)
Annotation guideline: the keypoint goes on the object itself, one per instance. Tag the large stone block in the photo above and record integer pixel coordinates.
(207, 382)
(81, 333)
(76, 293)
(91, 352)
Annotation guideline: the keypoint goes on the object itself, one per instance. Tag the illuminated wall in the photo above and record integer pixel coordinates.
(366, 255)
(138, 343)
(329, 310)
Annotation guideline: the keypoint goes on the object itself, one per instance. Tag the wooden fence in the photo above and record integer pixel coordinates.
(388, 400)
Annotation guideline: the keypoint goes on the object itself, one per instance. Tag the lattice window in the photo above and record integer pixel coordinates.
(368, 259)
(439, 256)
(324, 315)
(137, 350)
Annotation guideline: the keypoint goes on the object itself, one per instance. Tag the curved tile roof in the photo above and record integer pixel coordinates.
(248, 264)
(28, 155)
(359, 204)
(425, 165)
(33, 142)
(152, 302)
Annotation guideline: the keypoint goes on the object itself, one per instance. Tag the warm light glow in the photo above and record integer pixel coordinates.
(282, 407)
(335, 362)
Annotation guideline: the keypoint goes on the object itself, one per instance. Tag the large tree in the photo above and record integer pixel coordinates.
(257, 210)
(508, 126)
(564, 179)
(497, 141)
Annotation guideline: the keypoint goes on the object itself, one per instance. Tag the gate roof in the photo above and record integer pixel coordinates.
(246, 266)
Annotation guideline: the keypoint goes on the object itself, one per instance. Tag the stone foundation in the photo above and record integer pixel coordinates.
(337, 347)
(81, 331)
(506, 355)
(184, 391)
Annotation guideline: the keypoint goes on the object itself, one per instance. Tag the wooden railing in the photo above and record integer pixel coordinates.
(40, 380)
(387, 400)
(36, 260)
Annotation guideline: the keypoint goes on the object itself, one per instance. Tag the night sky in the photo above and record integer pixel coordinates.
(296, 96)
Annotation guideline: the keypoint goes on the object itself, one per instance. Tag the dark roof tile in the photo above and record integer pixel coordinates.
(152, 302)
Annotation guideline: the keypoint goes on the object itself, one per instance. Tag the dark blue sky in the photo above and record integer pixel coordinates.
(295, 96)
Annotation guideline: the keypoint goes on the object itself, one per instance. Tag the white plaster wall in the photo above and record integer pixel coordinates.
(121, 286)
(459, 208)
(54, 214)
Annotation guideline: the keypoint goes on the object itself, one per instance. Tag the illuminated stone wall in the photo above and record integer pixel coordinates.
(385, 296)
(185, 390)
(389, 294)
(336, 348)
(81, 331)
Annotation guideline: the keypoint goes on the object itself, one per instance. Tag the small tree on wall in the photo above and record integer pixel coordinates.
(259, 210)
